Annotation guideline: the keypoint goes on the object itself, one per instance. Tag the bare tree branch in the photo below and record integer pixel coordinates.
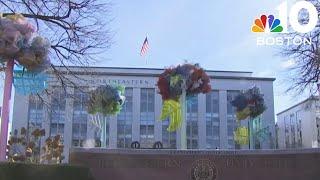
(77, 29)
(305, 73)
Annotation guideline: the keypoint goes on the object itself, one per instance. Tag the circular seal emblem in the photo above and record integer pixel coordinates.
(203, 169)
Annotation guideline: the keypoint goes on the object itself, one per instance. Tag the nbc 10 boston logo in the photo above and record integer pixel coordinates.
(268, 25)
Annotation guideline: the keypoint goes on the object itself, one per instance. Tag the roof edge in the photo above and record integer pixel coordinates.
(157, 75)
(309, 98)
(144, 68)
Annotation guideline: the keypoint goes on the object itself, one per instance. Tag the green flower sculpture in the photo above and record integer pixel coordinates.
(107, 100)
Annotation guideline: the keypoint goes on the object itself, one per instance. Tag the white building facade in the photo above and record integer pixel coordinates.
(299, 125)
(210, 117)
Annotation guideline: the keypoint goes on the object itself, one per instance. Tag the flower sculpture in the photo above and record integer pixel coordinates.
(172, 109)
(106, 100)
(172, 82)
(249, 104)
(19, 42)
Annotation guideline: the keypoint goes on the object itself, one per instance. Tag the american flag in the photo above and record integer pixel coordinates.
(145, 47)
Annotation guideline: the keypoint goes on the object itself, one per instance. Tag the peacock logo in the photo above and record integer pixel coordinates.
(267, 24)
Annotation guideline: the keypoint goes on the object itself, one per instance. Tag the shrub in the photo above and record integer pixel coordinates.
(24, 146)
(22, 171)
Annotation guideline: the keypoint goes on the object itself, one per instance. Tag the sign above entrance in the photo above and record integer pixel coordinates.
(128, 82)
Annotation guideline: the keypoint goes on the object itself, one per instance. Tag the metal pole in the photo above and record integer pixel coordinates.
(251, 142)
(6, 109)
(249, 131)
(103, 138)
(183, 129)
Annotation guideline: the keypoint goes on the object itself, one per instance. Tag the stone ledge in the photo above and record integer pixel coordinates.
(195, 152)
(145, 164)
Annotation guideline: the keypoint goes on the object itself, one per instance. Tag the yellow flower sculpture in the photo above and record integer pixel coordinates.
(242, 115)
(171, 109)
(241, 135)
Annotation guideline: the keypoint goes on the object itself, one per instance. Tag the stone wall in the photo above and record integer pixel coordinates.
(201, 165)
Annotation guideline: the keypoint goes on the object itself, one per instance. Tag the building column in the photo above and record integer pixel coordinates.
(136, 114)
(202, 121)
(46, 122)
(158, 122)
(223, 119)
(90, 141)
(113, 132)
(267, 118)
(20, 112)
(67, 134)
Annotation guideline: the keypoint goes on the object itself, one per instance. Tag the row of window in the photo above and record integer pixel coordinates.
(293, 133)
(147, 119)
(318, 130)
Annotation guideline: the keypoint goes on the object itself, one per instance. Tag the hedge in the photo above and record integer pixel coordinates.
(21, 171)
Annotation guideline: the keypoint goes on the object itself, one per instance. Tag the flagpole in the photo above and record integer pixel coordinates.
(148, 47)
(146, 59)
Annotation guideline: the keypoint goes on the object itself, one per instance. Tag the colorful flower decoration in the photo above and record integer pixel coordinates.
(241, 135)
(106, 100)
(171, 84)
(249, 104)
(19, 42)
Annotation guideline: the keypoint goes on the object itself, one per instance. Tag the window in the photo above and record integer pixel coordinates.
(256, 127)
(35, 118)
(57, 115)
(124, 121)
(286, 132)
(168, 138)
(147, 117)
(299, 131)
(97, 138)
(35, 113)
(277, 136)
(212, 120)
(318, 130)
(293, 130)
(192, 123)
(80, 118)
(231, 118)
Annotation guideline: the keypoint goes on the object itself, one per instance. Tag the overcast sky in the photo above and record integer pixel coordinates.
(215, 34)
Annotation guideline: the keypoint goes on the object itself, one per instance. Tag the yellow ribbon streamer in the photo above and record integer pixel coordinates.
(241, 135)
(171, 109)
